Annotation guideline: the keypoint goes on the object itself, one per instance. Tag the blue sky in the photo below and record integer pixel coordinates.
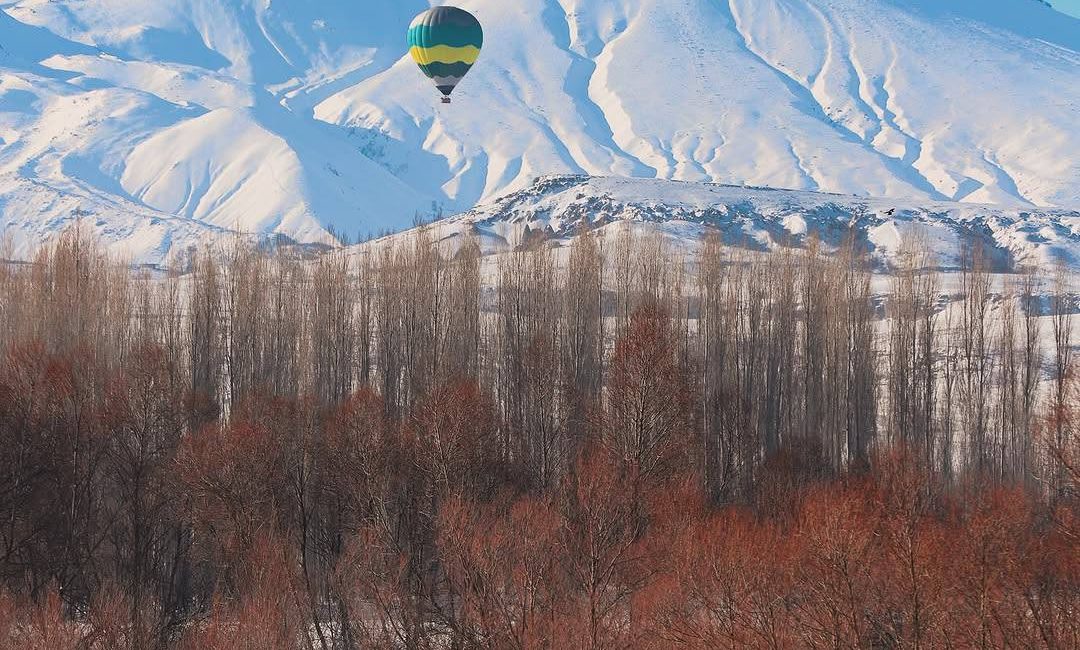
(1068, 6)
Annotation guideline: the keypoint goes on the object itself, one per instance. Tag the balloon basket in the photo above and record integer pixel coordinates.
(446, 100)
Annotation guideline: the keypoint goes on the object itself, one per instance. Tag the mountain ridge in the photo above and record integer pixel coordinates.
(558, 207)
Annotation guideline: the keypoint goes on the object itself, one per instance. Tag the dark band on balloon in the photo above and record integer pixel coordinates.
(445, 69)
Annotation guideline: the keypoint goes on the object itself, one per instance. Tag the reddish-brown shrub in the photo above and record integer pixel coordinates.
(506, 584)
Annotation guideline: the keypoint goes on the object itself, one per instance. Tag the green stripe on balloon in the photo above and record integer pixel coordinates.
(446, 69)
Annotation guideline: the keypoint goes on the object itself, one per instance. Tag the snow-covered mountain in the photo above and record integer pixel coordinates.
(555, 208)
(165, 123)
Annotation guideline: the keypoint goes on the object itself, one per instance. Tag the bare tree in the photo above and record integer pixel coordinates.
(528, 358)
(205, 340)
(1063, 366)
(331, 331)
(461, 333)
(976, 361)
(912, 376)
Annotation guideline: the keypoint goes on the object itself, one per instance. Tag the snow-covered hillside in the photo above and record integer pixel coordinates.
(164, 123)
(557, 207)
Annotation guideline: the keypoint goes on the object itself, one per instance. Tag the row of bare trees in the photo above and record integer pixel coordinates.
(604, 445)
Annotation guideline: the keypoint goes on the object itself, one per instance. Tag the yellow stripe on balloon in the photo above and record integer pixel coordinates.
(444, 54)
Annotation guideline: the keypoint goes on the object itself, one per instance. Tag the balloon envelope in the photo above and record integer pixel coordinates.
(445, 42)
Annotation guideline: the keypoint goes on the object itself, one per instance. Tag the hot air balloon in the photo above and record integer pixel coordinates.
(445, 42)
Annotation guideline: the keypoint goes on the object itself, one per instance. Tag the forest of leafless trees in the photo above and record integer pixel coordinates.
(611, 445)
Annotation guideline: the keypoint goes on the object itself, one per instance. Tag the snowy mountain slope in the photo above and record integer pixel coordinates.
(289, 116)
(910, 98)
(119, 113)
(557, 207)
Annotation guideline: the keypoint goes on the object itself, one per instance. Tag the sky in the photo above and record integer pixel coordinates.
(1068, 6)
